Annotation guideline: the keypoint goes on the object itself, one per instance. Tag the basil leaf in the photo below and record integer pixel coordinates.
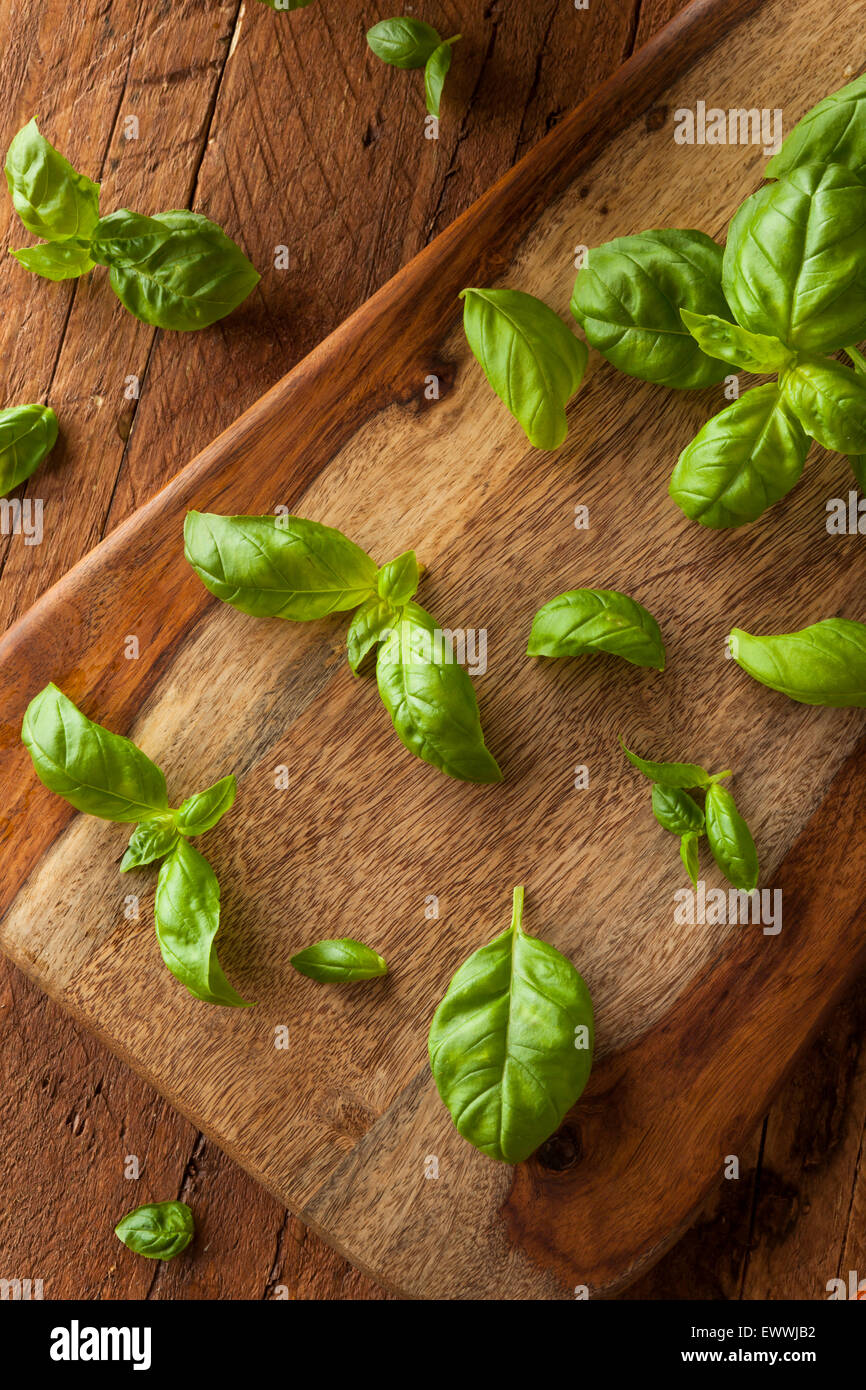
(530, 357)
(628, 297)
(278, 566)
(202, 811)
(833, 132)
(402, 42)
(504, 1043)
(431, 700)
(27, 434)
(754, 352)
(159, 1230)
(55, 260)
(94, 770)
(435, 71)
(339, 962)
(689, 855)
(680, 775)
(744, 459)
(174, 270)
(372, 624)
(830, 402)
(597, 620)
(674, 809)
(731, 840)
(52, 200)
(152, 839)
(187, 912)
(795, 262)
(399, 579)
(824, 664)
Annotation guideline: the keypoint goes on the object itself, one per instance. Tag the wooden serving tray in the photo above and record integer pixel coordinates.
(696, 1024)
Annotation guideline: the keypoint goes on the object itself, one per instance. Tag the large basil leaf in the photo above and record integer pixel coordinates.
(744, 459)
(505, 1047)
(372, 624)
(159, 1230)
(795, 261)
(754, 352)
(628, 297)
(52, 200)
(152, 839)
(731, 840)
(681, 775)
(824, 664)
(858, 461)
(436, 69)
(402, 42)
(833, 132)
(94, 770)
(278, 566)
(597, 620)
(530, 357)
(175, 270)
(187, 912)
(431, 700)
(830, 402)
(27, 434)
(55, 260)
(676, 810)
(339, 962)
(201, 812)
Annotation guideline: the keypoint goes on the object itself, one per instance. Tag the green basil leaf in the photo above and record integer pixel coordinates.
(628, 296)
(202, 811)
(158, 1230)
(152, 839)
(55, 260)
(829, 400)
(399, 579)
(187, 912)
(505, 1043)
(745, 458)
(833, 132)
(175, 270)
(94, 770)
(824, 664)
(278, 566)
(676, 810)
(795, 262)
(681, 775)
(52, 200)
(731, 840)
(339, 962)
(436, 70)
(431, 699)
(530, 357)
(373, 623)
(753, 352)
(689, 855)
(27, 434)
(584, 621)
(403, 43)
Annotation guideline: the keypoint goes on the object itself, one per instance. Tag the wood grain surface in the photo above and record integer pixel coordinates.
(418, 432)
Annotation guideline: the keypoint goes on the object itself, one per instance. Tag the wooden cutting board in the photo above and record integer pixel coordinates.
(696, 1024)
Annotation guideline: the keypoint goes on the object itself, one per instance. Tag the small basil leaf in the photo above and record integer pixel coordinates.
(829, 400)
(187, 912)
(52, 200)
(27, 434)
(676, 810)
(152, 839)
(339, 962)
(55, 260)
(431, 699)
(399, 579)
(824, 664)
(681, 775)
(436, 70)
(511, 1043)
(745, 458)
(584, 621)
(754, 352)
(159, 1230)
(628, 296)
(402, 42)
(833, 132)
(689, 855)
(731, 840)
(278, 566)
(94, 770)
(373, 623)
(530, 357)
(202, 811)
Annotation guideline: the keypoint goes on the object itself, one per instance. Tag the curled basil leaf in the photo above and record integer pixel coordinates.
(824, 664)
(399, 579)
(436, 69)
(829, 400)
(339, 962)
(689, 855)
(372, 624)
(676, 810)
(403, 42)
(754, 352)
(55, 260)
(530, 357)
(152, 839)
(585, 621)
(158, 1230)
(731, 840)
(187, 912)
(27, 434)
(833, 132)
(677, 775)
(201, 812)
(511, 1043)
(52, 200)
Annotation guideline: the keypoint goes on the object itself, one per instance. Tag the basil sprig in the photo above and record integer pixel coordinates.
(27, 434)
(511, 1043)
(584, 621)
(289, 567)
(403, 42)
(175, 270)
(339, 962)
(158, 1230)
(106, 775)
(824, 664)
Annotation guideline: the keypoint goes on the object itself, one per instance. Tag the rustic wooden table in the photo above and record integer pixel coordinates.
(285, 129)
